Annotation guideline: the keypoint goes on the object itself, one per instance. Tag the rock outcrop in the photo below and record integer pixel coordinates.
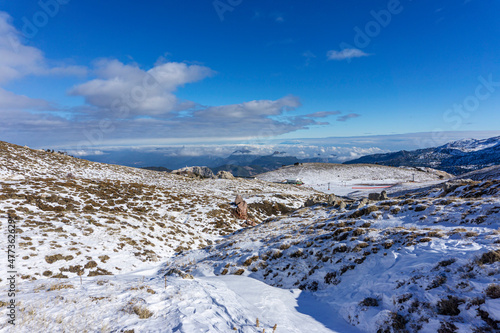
(224, 175)
(196, 171)
(313, 201)
(238, 200)
(241, 211)
(378, 196)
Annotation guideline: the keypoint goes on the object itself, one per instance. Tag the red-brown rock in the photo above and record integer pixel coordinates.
(238, 199)
(242, 210)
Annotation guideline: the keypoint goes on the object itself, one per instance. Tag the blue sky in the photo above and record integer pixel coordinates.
(232, 71)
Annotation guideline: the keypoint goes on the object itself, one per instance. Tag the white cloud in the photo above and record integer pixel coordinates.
(127, 87)
(252, 109)
(345, 54)
(11, 101)
(322, 114)
(348, 116)
(18, 60)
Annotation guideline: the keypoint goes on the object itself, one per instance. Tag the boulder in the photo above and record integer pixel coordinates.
(249, 223)
(224, 175)
(312, 201)
(377, 196)
(238, 200)
(242, 210)
(360, 204)
(203, 172)
(452, 185)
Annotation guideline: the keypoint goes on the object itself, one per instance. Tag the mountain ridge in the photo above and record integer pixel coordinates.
(456, 157)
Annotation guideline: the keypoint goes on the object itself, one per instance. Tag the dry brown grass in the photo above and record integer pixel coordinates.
(493, 291)
(60, 286)
(142, 312)
(489, 257)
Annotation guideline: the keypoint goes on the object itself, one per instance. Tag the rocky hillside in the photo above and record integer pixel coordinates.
(425, 262)
(76, 215)
(456, 157)
(106, 248)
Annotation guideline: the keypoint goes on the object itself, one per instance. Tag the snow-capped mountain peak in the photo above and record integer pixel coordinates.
(470, 145)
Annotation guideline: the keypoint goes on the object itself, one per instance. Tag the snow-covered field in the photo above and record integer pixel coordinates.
(354, 180)
(104, 248)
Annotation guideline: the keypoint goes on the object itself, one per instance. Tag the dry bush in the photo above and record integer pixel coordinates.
(489, 257)
(359, 247)
(142, 312)
(437, 282)
(445, 263)
(369, 301)
(447, 328)
(358, 232)
(434, 234)
(424, 240)
(56, 257)
(90, 264)
(285, 246)
(449, 306)
(250, 260)
(493, 291)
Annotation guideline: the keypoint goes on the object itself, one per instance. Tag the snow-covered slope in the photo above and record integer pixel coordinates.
(343, 179)
(483, 174)
(421, 263)
(103, 219)
(469, 145)
(103, 248)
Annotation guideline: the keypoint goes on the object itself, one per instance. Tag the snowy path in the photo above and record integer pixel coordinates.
(252, 298)
(203, 304)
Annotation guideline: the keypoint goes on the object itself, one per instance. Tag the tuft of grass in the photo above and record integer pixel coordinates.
(142, 312)
(493, 291)
(437, 282)
(60, 286)
(369, 301)
(489, 257)
(445, 263)
(449, 306)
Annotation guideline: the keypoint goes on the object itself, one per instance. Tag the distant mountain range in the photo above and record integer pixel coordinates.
(456, 157)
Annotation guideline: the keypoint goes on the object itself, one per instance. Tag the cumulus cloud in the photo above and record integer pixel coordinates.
(127, 90)
(348, 116)
(18, 60)
(125, 103)
(345, 54)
